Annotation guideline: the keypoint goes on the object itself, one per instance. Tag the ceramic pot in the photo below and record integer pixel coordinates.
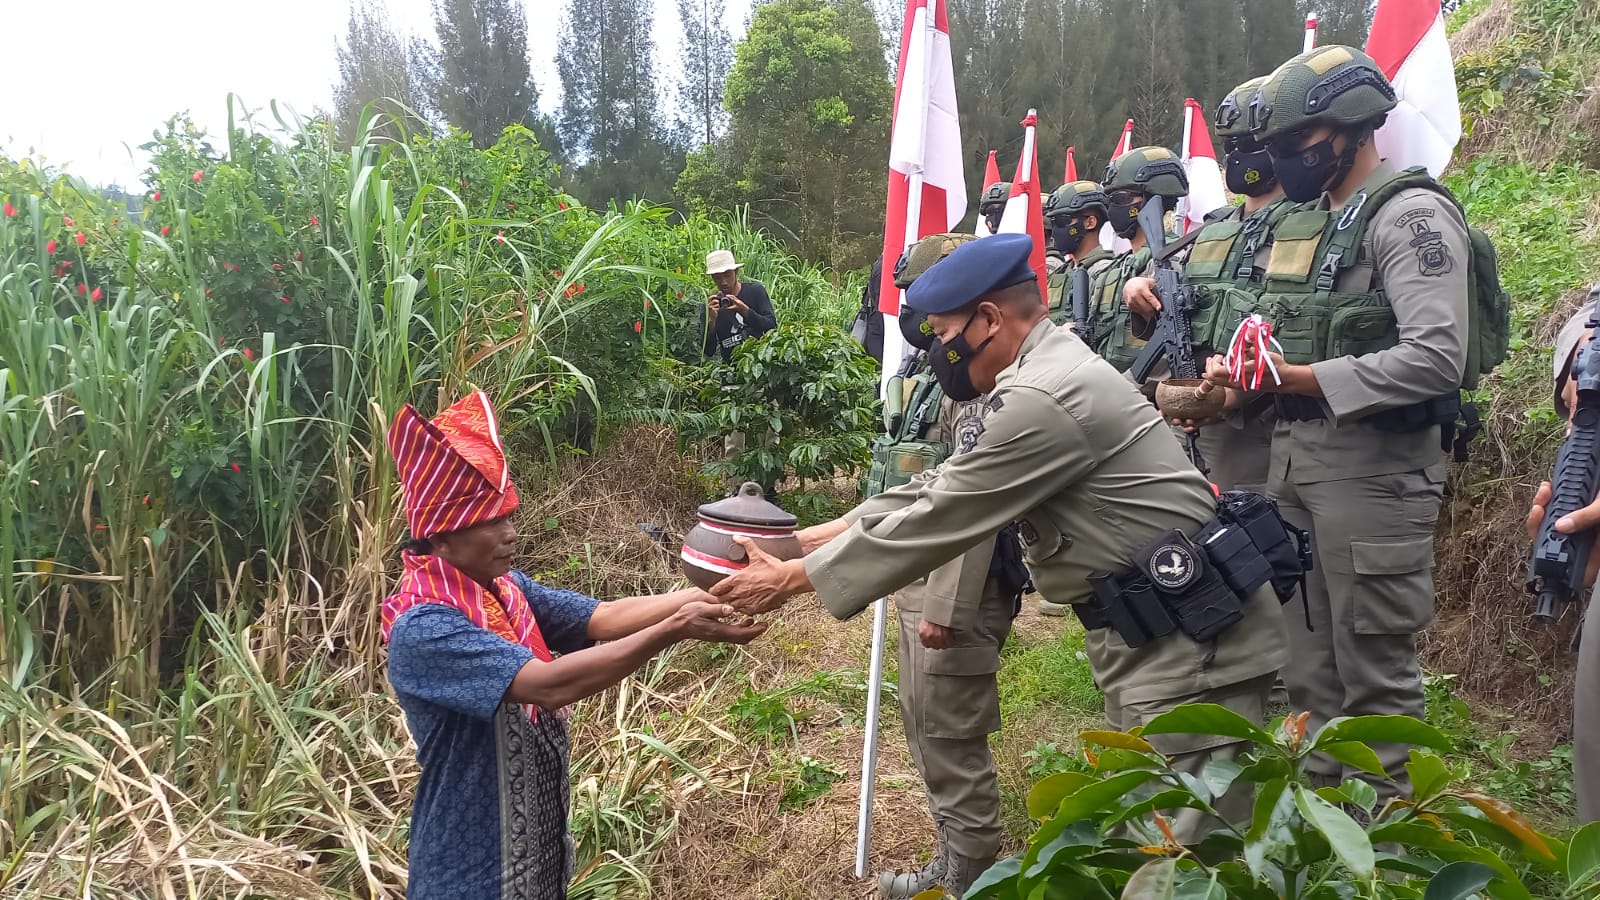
(1177, 399)
(709, 551)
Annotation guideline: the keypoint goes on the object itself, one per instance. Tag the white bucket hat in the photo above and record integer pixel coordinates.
(720, 261)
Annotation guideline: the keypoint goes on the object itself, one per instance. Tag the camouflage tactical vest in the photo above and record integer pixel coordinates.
(1223, 268)
(1113, 323)
(910, 411)
(1058, 294)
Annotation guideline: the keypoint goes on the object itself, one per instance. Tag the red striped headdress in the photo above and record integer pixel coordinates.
(453, 470)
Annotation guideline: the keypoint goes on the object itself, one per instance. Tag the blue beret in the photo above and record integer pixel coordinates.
(970, 271)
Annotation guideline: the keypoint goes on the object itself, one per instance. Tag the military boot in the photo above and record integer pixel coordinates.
(961, 871)
(905, 885)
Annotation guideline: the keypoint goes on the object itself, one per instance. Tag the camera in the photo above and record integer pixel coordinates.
(724, 301)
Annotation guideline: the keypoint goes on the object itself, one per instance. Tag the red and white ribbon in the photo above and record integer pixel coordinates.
(1253, 337)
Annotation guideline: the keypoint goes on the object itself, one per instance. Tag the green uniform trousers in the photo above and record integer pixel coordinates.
(1353, 636)
(950, 700)
(1586, 715)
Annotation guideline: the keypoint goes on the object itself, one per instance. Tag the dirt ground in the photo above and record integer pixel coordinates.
(740, 845)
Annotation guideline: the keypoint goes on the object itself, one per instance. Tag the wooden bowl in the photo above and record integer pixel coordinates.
(1177, 399)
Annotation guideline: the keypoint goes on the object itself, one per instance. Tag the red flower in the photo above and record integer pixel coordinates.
(563, 204)
(314, 222)
(156, 197)
(229, 267)
(146, 499)
(580, 287)
(511, 206)
(680, 295)
(208, 293)
(50, 247)
(198, 175)
(277, 267)
(222, 342)
(284, 299)
(66, 221)
(82, 288)
(235, 468)
(10, 210)
(80, 239)
(647, 303)
(67, 264)
(501, 237)
(638, 326)
(249, 354)
(94, 296)
(165, 230)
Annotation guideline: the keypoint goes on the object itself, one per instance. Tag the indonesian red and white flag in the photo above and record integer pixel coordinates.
(1206, 191)
(1108, 238)
(1311, 35)
(1025, 210)
(1071, 174)
(991, 176)
(927, 181)
(1408, 43)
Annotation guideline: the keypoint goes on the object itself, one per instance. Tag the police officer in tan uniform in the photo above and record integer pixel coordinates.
(1228, 256)
(953, 624)
(1367, 293)
(1586, 688)
(1113, 516)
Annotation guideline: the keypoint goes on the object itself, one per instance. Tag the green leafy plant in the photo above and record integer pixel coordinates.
(804, 396)
(811, 779)
(1047, 758)
(765, 715)
(1102, 834)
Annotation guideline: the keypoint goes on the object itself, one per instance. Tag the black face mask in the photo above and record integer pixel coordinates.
(1251, 173)
(1125, 218)
(952, 364)
(915, 329)
(1067, 235)
(1305, 174)
(993, 219)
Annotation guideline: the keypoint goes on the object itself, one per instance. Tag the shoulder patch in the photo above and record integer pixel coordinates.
(1433, 256)
(1410, 216)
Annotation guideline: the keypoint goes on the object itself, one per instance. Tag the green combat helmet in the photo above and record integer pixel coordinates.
(1153, 170)
(921, 256)
(1076, 198)
(996, 195)
(1332, 85)
(1233, 120)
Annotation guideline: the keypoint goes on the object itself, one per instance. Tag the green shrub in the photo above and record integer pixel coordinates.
(1102, 834)
(804, 395)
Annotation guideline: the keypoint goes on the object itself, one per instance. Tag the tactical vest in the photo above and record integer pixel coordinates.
(1058, 293)
(910, 411)
(1113, 323)
(1223, 262)
(1313, 248)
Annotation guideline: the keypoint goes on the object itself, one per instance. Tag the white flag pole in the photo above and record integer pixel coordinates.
(1181, 213)
(880, 609)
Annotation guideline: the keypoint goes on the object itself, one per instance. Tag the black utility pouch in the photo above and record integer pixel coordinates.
(1287, 549)
(1236, 556)
(1131, 607)
(1193, 589)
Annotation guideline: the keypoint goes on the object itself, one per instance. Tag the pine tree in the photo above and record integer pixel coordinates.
(375, 67)
(707, 53)
(478, 77)
(609, 120)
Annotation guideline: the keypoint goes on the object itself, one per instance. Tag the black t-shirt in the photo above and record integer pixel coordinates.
(734, 327)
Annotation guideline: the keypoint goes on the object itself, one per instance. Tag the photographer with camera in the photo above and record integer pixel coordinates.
(738, 311)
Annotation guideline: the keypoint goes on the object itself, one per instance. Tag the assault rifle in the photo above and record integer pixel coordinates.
(1556, 570)
(1174, 336)
(1082, 319)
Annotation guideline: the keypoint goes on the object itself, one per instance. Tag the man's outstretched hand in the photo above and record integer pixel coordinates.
(1579, 520)
(700, 621)
(764, 584)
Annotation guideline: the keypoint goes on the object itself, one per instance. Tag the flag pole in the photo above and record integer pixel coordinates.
(880, 609)
(1181, 208)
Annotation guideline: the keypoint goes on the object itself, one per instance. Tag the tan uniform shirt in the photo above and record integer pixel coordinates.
(1071, 450)
(1398, 256)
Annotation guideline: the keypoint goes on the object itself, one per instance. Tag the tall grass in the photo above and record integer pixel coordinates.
(199, 517)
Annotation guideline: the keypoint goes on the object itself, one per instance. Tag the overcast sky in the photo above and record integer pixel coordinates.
(88, 80)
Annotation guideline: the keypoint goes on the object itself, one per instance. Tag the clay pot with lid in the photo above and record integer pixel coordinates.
(709, 551)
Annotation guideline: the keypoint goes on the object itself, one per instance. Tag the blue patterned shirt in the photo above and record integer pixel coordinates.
(449, 676)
